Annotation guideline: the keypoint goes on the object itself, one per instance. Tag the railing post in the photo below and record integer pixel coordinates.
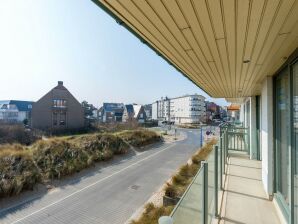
(216, 181)
(205, 193)
(221, 167)
(227, 145)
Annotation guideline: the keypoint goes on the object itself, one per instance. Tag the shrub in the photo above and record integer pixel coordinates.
(139, 138)
(152, 214)
(171, 191)
(21, 167)
(17, 134)
(17, 170)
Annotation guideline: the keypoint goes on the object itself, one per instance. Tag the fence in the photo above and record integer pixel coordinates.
(200, 202)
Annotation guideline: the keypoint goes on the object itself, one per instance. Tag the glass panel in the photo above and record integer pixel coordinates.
(211, 185)
(282, 128)
(295, 121)
(189, 209)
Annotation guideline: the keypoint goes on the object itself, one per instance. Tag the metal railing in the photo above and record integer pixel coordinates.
(200, 202)
(237, 138)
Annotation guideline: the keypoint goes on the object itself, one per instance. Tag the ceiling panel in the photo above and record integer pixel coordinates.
(226, 47)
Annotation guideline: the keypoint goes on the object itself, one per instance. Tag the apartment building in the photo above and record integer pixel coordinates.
(188, 109)
(161, 110)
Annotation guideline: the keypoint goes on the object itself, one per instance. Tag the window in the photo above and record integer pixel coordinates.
(282, 139)
(55, 119)
(62, 121)
(59, 103)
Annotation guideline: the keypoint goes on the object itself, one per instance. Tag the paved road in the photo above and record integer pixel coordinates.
(109, 195)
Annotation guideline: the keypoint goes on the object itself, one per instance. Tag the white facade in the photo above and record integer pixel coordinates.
(188, 109)
(9, 113)
(154, 110)
(180, 110)
(161, 110)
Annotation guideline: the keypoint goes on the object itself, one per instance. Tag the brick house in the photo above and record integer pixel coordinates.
(57, 110)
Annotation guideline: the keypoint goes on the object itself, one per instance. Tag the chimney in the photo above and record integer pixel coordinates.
(60, 83)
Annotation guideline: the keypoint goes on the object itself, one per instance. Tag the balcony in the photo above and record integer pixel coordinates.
(228, 188)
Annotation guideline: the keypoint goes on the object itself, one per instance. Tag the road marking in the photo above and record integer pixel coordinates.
(84, 188)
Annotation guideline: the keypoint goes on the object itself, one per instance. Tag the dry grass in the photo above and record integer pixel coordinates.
(153, 213)
(17, 134)
(22, 167)
(140, 138)
(17, 170)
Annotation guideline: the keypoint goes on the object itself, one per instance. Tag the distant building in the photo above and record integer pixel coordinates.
(112, 112)
(233, 112)
(212, 111)
(134, 112)
(15, 111)
(148, 111)
(161, 109)
(57, 110)
(188, 109)
(128, 113)
(180, 110)
(139, 113)
(99, 114)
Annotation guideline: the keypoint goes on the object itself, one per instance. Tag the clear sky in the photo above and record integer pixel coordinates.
(75, 41)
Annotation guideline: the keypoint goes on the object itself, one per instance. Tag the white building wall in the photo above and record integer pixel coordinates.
(154, 110)
(188, 109)
(267, 134)
(22, 115)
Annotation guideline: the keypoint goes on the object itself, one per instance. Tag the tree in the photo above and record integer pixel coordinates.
(25, 121)
(88, 109)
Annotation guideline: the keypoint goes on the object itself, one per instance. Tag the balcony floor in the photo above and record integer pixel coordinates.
(244, 199)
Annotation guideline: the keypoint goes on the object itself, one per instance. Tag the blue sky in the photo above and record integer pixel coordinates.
(75, 41)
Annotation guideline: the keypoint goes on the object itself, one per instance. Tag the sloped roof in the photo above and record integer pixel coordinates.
(129, 108)
(109, 107)
(21, 105)
(136, 109)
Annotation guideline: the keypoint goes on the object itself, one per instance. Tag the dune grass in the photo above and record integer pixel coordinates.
(22, 167)
(139, 138)
(153, 213)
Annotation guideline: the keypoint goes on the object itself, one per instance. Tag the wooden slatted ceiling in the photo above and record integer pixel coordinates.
(209, 40)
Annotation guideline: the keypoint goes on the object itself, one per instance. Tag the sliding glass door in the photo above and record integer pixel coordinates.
(283, 139)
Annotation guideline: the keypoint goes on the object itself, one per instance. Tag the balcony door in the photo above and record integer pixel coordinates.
(283, 139)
